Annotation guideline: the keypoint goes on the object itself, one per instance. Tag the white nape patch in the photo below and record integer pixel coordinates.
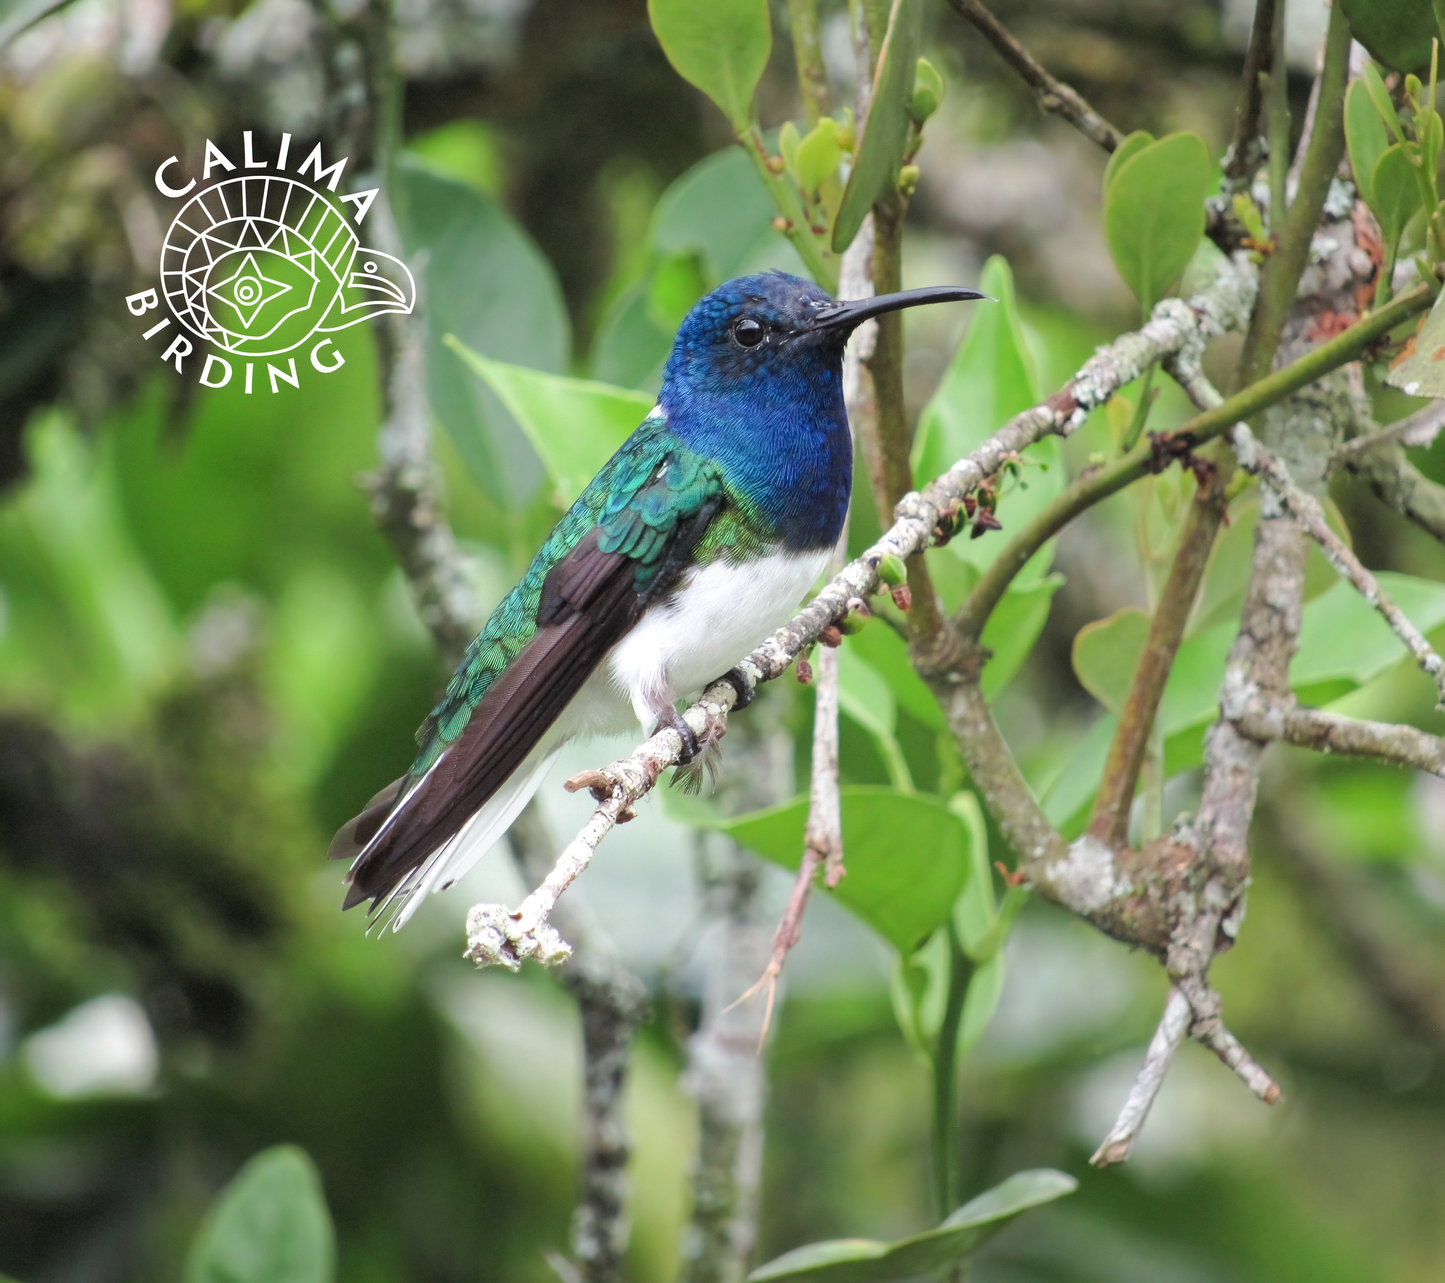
(481, 832)
(715, 619)
(656, 412)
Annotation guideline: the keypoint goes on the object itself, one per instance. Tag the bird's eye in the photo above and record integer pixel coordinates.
(749, 332)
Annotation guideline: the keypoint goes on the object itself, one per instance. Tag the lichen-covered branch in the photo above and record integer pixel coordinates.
(1052, 95)
(612, 1003)
(1378, 458)
(1306, 510)
(1331, 733)
(1173, 1025)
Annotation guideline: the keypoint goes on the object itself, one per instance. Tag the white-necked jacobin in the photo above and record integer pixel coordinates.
(696, 540)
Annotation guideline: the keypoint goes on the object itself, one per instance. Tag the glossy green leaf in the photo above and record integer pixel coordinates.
(1420, 369)
(1106, 653)
(1380, 95)
(575, 425)
(990, 379)
(269, 1225)
(859, 1260)
(1397, 32)
(721, 47)
(1396, 190)
(907, 856)
(485, 281)
(1366, 137)
(1128, 148)
(887, 654)
(880, 150)
(1154, 213)
(1013, 628)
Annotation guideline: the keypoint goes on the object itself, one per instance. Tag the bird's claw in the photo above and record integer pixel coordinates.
(738, 680)
(672, 720)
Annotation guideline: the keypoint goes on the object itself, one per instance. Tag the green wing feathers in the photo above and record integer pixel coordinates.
(635, 503)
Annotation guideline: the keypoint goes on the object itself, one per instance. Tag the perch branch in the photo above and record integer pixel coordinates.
(1306, 510)
(1052, 95)
(498, 936)
(1378, 458)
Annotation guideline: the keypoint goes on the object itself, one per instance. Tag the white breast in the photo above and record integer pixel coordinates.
(720, 613)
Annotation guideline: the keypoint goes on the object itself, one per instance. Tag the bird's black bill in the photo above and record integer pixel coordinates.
(846, 316)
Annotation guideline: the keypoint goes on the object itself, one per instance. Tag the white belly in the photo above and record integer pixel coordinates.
(718, 615)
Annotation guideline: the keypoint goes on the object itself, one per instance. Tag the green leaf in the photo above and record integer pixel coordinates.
(631, 347)
(1366, 137)
(1380, 97)
(1154, 213)
(1420, 369)
(1013, 628)
(985, 988)
(860, 1260)
(990, 379)
(886, 653)
(269, 1225)
(1130, 147)
(676, 285)
(1397, 192)
(485, 281)
(1106, 653)
(788, 140)
(1397, 32)
(24, 13)
(720, 209)
(880, 150)
(575, 425)
(721, 47)
(819, 155)
(927, 91)
(903, 889)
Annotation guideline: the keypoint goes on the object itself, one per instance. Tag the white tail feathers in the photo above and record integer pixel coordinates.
(480, 833)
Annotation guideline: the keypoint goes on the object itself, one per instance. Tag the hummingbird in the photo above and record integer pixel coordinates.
(695, 541)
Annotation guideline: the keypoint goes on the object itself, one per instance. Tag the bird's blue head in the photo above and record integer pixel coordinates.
(755, 382)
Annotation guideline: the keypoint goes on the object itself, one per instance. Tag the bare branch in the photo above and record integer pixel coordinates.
(1306, 510)
(1173, 1025)
(1330, 733)
(1051, 95)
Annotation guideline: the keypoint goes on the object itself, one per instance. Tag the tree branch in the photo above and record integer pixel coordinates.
(612, 1003)
(1242, 157)
(1379, 459)
(1325, 732)
(1052, 96)
(1173, 1025)
(1306, 510)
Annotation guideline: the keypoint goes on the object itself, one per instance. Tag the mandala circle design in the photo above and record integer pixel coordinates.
(259, 264)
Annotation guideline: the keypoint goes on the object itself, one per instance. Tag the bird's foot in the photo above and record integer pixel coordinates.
(738, 680)
(672, 720)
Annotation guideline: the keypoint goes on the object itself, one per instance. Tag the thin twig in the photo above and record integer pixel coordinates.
(1173, 1025)
(1331, 733)
(1306, 510)
(1242, 157)
(1052, 95)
